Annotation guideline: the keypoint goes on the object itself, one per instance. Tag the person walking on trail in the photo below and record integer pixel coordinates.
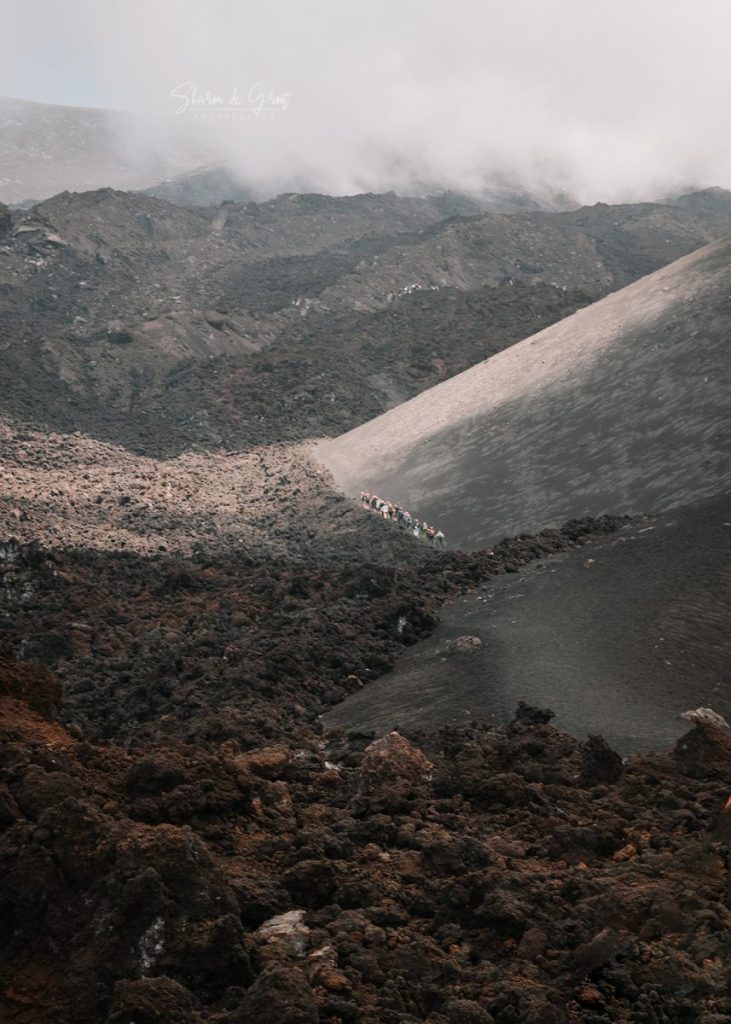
(394, 513)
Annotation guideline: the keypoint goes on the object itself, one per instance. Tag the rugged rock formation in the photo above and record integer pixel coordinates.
(144, 885)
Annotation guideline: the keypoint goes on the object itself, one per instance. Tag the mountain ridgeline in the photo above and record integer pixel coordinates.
(166, 327)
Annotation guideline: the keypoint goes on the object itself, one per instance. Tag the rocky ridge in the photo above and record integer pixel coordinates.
(128, 307)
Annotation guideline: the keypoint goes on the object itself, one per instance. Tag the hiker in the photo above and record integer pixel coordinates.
(394, 513)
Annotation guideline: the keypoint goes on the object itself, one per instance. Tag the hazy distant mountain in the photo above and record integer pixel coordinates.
(218, 183)
(707, 200)
(46, 148)
(204, 186)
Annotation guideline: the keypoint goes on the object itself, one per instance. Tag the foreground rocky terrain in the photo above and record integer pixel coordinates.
(181, 841)
(507, 874)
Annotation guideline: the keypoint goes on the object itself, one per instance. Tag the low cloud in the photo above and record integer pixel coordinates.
(606, 101)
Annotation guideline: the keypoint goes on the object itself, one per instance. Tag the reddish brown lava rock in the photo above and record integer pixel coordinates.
(390, 758)
(705, 751)
(152, 1001)
(466, 1011)
(391, 773)
(600, 764)
(435, 878)
(280, 995)
(33, 683)
(269, 761)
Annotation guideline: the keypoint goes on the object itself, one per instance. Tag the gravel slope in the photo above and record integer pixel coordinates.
(623, 635)
(622, 406)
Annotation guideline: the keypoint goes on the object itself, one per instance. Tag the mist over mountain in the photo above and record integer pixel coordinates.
(46, 148)
(616, 105)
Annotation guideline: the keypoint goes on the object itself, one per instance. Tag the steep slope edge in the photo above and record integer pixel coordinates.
(622, 406)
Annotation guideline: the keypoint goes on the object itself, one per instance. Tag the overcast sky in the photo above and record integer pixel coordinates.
(612, 100)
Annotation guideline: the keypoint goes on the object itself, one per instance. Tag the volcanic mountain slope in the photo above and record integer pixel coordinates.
(622, 406)
(139, 321)
(79, 260)
(595, 249)
(181, 842)
(629, 630)
(105, 295)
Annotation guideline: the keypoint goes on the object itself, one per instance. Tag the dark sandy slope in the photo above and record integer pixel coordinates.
(622, 407)
(619, 637)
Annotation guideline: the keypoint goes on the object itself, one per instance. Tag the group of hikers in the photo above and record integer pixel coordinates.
(395, 514)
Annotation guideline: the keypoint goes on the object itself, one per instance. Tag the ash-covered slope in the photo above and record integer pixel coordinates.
(622, 633)
(623, 406)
